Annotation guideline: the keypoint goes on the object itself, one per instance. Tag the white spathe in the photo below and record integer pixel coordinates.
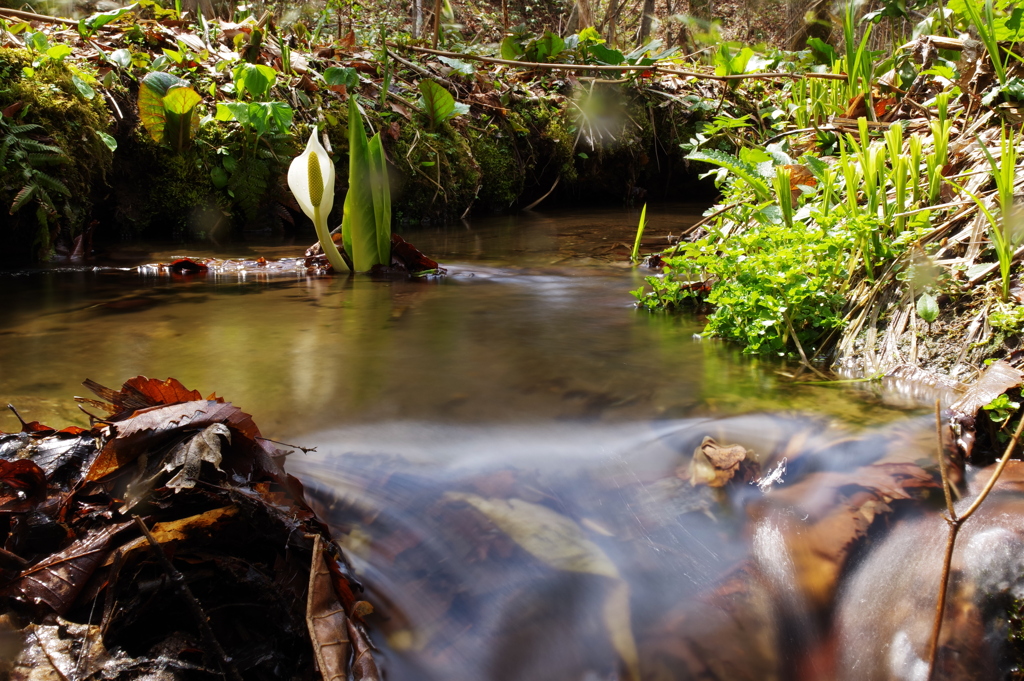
(298, 178)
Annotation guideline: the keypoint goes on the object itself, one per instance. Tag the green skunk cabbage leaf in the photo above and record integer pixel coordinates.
(359, 224)
(545, 49)
(265, 116)
(180, 123)
(256, 79)
(58, 52)
(605, 54)
(341, 75)
(510, 48)
(437, 103)
(83, 88)
(181, 100)
(381, 191)
(152, 91)
(928, 307)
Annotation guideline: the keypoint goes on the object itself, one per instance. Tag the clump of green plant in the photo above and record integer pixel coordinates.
(167, 110)
(1005, 231)
(25, 159)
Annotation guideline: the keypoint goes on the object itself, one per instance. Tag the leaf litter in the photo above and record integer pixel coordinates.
(244, 565)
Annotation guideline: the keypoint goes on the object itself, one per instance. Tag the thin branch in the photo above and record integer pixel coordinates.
(609, 67)
(941, 454)
(955, 524)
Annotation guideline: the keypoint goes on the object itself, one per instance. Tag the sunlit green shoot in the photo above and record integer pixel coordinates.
(635, 255)
(784, 194)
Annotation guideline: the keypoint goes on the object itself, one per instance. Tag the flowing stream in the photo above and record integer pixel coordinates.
(507, 453)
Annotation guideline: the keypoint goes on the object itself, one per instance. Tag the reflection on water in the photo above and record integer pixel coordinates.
(533, 323)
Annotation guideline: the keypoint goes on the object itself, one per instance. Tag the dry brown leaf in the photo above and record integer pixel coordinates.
(326, 619)
(57, 580)
(993, 382)
(715, 465)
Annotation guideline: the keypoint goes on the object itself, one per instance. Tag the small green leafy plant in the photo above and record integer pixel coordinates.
(438, 104)
(167, 109)
(26, 157)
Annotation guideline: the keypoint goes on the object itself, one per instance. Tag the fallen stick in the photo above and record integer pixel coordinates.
(545, 66)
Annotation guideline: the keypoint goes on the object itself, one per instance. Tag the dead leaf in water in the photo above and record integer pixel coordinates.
(557, 541)
(328, 625)
(715, 465)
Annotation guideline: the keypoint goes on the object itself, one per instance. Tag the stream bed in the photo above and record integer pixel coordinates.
(510, 453)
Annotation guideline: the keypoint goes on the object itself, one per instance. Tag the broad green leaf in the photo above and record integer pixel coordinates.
(381, 190)
(180, 119)
(823, 52)
(152, 91)
(37, 41)
(107, 140)
(511, 49)
(342, 75)
(181, 100)
(256, 79)
(121, 58)
(459, 66)
(606, 55)
(437, 102)
(928, 307)
(58, 52)
(359, 226)
(544, 49)
(237, 111)
(83, 88)
(101, 19)
(219, 177)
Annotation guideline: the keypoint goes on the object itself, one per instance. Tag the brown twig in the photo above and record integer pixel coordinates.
(544, 66)
(32, 16)
(955, 523)
(202, 621)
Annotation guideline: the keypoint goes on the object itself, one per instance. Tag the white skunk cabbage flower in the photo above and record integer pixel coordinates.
(311, 179)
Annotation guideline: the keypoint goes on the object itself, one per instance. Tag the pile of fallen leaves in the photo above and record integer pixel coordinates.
(167, 541)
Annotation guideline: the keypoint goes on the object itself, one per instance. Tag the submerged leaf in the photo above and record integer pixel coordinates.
(559, 542)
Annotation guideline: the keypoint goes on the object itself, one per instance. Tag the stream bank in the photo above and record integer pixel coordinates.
(509, 138)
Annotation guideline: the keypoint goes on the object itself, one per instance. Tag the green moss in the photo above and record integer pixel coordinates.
(501, 174)
(70, 122)
(440, 175)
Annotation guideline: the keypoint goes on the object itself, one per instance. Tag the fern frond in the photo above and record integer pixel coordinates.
(52, 183)
(740, 168)
(44, 159)
(40, 148)
(23, 197)
(23, 128)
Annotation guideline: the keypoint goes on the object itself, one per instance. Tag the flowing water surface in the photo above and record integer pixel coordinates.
(507, 452)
